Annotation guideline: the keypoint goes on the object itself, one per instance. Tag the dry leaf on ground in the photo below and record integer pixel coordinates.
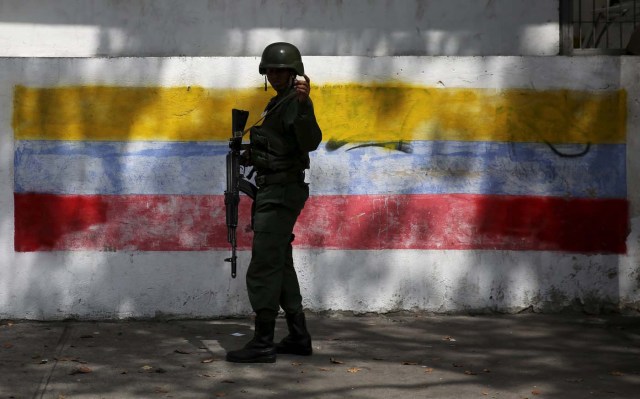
(353, 369)
(69, 359)
(81, 370)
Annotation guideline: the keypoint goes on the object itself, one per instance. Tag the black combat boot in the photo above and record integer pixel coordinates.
(298, 342)
(260, 349)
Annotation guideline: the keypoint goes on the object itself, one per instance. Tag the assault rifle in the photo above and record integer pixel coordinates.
(236, 181)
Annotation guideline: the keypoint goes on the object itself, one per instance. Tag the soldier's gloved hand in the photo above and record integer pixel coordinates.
(245, 158)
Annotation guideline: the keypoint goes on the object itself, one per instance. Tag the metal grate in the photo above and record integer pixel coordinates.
(601, 26)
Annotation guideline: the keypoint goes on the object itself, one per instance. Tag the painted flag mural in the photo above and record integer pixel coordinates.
(401, 167)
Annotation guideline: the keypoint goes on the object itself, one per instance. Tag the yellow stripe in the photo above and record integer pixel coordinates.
(355, 113)
(129, 113)
(385, 112)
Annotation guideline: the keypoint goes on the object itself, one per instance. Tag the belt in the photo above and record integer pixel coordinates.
(280, 178)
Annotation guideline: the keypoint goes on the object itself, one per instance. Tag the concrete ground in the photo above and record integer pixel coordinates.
(390, 356)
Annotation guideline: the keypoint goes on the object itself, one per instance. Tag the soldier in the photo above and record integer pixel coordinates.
(279, 152)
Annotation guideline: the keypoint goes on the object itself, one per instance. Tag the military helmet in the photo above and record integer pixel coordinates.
(281, 55)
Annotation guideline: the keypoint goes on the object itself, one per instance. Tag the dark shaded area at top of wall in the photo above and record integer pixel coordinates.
(329, 27)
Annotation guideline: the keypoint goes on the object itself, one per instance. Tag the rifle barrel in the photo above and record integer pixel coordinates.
(232, 193)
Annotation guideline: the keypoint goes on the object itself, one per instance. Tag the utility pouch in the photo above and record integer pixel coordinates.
(271, 150)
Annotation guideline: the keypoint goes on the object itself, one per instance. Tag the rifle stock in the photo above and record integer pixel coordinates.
(236, 182)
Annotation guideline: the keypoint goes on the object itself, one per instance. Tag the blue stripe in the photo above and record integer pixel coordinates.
(421, 167)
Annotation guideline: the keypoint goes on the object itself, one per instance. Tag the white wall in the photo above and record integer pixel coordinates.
(158, 28)
(92, 284)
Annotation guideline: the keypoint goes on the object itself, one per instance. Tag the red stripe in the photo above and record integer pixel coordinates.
(192, 223)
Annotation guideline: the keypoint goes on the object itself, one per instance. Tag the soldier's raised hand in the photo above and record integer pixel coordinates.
(303, 88)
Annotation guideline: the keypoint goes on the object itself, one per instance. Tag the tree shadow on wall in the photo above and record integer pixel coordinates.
(546, 191)
(78, 215)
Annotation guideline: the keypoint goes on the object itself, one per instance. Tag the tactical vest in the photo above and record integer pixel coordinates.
(274, 148)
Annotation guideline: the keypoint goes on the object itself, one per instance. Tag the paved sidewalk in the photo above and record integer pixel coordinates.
(390, 356)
